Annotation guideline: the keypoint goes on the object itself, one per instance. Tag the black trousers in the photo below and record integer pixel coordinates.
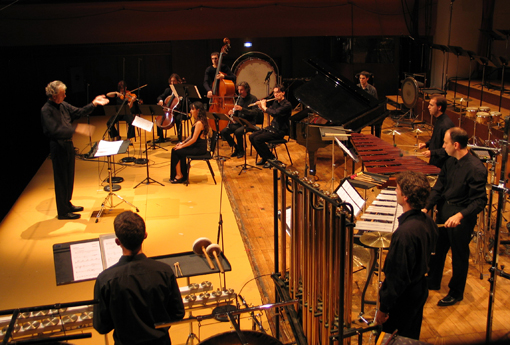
(407, 314)
(259, 139)
(457, 239)
(63, 160)
(238, 131)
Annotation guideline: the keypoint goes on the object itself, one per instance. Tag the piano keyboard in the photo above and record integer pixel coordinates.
(382, 214)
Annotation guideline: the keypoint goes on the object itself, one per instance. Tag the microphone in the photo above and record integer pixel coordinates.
(268, 75)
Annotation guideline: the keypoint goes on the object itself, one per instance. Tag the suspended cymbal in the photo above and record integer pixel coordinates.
(394, 130)
(376, 239)
(360, 256)
(462, 99)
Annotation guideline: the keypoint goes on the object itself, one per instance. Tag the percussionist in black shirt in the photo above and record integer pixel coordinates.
(210, 74)
(436, 152)
(137, 292)
(242, 110)
(280, 111)
(404, 290)
(460, 195)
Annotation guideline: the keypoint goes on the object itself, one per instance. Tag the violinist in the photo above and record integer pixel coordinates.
(243, 110)
(210, 74)
(280, 110)
(178, 117)
(130, 99)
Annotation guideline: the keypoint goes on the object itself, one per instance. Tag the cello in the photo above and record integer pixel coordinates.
(223, 90)
(167, 121)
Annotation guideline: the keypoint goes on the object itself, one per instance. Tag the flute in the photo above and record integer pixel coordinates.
(251, 105)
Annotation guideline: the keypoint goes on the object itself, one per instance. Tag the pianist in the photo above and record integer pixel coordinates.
(404, 290)
(364, 76)
(280, 111)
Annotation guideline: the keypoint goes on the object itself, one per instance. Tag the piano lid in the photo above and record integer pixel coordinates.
(336, 98)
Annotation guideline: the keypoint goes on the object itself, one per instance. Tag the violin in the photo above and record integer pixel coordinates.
(129, 96)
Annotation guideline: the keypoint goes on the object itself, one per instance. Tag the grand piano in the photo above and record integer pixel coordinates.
(335, 99)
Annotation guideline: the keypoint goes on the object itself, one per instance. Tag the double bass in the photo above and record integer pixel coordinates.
(223, 90)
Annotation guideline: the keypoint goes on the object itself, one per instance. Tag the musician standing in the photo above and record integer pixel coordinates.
(56, 119)
(178, 117)
(210, 74)
(436, 152)
(280, 110)
(364, 76)
(243, 110)
(460, 195)
(404, 290)
(137, 292)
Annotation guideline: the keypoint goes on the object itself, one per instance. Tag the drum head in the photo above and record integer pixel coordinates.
(409, 92)
(231, 338)
(254, 68)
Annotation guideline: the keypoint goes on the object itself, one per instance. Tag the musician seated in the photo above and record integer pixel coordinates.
(178, 117)
(243, 110)
(280, 111)
(123, 96)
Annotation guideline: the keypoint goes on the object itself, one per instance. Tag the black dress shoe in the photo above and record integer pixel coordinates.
(180, 180)
(448, 301)
(70, 216)
(262, 161)
(76, 208)
(240, 154)
(234, 154)
(159, 140)
(267, 165)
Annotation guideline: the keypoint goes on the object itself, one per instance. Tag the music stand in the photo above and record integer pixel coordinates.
(109, 152)
(472, 56)
(484, 62)
(216, 117)
(444, 49)
(113, 112)
(501, 62)
(246, 124)
(458, 51)
(155, 110)
(146, 126)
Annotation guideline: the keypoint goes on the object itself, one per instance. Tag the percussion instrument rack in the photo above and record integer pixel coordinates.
(320, 264)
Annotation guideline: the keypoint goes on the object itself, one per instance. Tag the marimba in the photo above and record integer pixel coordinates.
(380, 157)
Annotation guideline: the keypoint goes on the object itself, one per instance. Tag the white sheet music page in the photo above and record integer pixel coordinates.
(110, 250)
(108, 148)
(142, 123)
(349, 194)
(86, 260)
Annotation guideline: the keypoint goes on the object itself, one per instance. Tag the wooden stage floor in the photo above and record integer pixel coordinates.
(176, 215)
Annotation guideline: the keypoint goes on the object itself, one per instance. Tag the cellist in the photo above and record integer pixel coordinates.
(178, 117)
(210, 74)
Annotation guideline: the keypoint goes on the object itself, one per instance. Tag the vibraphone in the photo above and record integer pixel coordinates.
(382, 214)
(380, 157)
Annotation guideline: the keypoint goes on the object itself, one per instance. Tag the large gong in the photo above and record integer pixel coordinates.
(231, 338)
(409, 92)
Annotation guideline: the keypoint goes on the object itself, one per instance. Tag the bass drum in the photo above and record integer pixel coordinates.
(231, 338)
(409, 92)
(254, 68)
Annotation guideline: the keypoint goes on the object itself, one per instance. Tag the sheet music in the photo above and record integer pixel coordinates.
(349, 194)
(142, 123)
(110, 250)
(108, 148)
(86, 260)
